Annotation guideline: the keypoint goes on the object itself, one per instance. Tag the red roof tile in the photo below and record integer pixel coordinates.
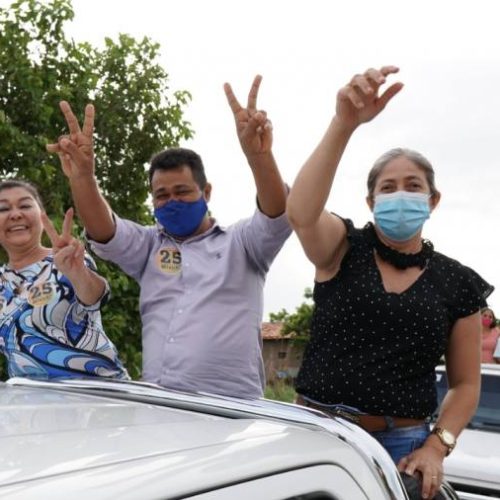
(272, 331)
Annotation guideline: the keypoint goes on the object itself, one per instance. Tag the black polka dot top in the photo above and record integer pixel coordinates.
(377, 350)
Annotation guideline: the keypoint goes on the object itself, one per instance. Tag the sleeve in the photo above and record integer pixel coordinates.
(101, 301)
(129, 248)
(349, 225)
(262, 237)
(472, 292)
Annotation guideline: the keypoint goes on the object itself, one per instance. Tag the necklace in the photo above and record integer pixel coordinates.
(401, 260)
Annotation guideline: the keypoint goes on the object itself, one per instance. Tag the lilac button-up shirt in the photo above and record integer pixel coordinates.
(201, 301)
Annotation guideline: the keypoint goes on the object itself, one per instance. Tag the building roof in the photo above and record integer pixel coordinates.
(272, 331)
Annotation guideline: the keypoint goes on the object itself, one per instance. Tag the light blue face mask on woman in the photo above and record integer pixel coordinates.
(402, 214)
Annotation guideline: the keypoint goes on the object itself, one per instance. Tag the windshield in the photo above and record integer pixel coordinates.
(488, 411)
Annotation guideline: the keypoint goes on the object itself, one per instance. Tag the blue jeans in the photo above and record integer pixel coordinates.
(402, 441)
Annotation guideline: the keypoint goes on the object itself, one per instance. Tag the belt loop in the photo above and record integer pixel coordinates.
(389, 423)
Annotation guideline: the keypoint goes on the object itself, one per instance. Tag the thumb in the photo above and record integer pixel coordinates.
(389, 94)
(70, 148)
(256, 121)
(52, 148)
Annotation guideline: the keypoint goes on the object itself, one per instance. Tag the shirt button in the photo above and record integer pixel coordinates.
(171, 339)
(180, 311)
(186, 264)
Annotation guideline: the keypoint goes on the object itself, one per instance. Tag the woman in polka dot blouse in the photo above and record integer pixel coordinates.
(387, 306)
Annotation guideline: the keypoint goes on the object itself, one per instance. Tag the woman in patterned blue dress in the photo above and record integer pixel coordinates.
(50, 298)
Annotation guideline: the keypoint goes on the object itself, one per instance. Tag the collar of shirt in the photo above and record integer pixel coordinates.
(214, 227)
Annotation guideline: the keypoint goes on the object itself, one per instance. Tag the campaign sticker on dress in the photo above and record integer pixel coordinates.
(3, 302)
(40, 294)
(169, 260)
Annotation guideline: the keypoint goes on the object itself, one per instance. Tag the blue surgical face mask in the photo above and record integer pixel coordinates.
(401, 215)
(181, 218)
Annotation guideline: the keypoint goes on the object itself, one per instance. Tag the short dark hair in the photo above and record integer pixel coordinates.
(177, 157)
(21, 183)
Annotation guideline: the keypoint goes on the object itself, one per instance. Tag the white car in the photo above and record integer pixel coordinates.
(473, 468)
(110, 439)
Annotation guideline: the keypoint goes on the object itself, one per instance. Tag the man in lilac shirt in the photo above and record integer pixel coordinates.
(202, 284)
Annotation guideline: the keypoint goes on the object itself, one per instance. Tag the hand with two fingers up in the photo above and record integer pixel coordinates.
(255, 131)
(76, 150)
(68, 251)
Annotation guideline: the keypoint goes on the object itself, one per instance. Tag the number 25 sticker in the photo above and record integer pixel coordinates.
(169, 260)
(41, 294)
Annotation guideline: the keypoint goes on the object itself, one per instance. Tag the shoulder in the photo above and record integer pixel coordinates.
(129, 225)
(444, 263)
(259, 222)
(356, 233)
(460, 277)
(359, 239)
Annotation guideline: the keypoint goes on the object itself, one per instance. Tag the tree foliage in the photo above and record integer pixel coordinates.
(299, 322)
(137, 115)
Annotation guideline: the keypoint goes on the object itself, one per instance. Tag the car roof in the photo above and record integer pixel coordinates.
(486, 368)
(48, 430)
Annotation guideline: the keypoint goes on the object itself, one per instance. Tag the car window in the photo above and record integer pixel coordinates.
(488, 411)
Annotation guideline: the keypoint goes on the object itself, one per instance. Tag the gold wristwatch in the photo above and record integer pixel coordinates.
(446, 437)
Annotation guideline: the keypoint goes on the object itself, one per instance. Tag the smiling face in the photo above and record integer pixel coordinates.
(20, 219)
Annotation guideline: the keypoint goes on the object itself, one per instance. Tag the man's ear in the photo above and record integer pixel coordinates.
(207, 191)
(369, 202)
(434, 200)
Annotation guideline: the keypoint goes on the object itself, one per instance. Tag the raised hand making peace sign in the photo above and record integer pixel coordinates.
(253, 128)
(68, 251)
(76, 150)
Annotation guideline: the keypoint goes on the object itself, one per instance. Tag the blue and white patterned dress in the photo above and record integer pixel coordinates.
(46, 332)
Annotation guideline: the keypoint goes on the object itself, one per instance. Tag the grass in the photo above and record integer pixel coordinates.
(280, 391)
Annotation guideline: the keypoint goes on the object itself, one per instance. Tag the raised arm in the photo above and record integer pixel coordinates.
(256, 137)
(322, 234)
(76, 153)
(69, 259)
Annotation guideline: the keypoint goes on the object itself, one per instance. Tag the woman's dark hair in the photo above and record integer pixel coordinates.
(494, 322)
(420, 160)
(20, 183)
(177, 157)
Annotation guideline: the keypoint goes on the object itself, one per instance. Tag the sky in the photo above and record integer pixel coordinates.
(449, 109)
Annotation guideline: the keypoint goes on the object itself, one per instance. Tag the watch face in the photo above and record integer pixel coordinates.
(448, 437)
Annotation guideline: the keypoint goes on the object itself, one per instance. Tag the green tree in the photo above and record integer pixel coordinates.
(137, 116)
(299, 322)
